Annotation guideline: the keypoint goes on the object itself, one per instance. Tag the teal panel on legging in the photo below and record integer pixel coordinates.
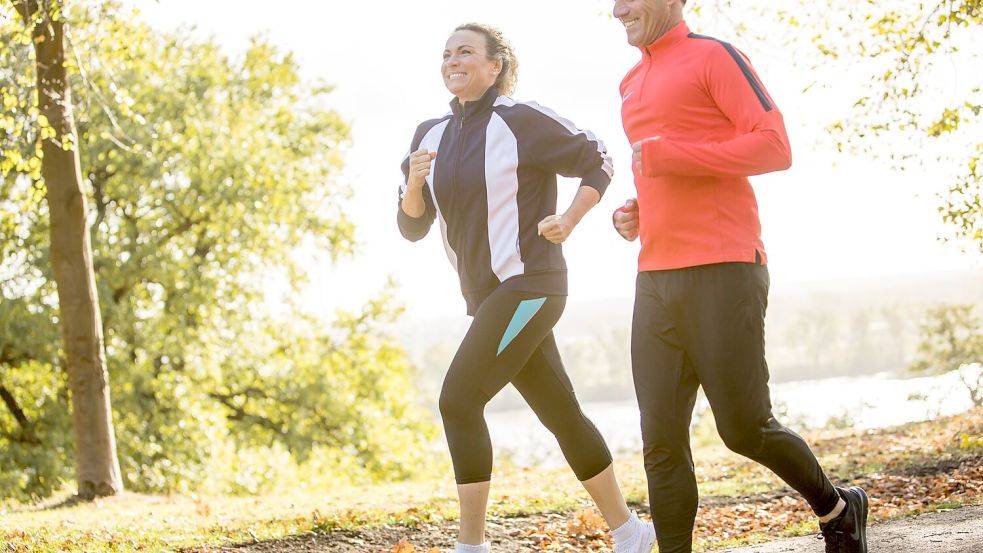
(523, 314)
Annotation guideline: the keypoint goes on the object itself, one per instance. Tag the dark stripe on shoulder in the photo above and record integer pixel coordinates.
(423, 128)
(758, 89)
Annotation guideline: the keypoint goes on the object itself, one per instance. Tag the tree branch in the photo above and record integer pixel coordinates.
(240, 414)
(26, 9)
(27, 429)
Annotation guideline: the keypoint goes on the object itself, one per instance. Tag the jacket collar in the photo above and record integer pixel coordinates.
(673, 36)
(469, 109)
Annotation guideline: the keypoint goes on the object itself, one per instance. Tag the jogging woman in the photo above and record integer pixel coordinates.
(487, 171)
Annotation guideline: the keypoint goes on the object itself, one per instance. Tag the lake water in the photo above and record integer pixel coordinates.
(860, 402)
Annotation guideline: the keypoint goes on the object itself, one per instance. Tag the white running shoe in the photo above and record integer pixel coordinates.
(641, 542)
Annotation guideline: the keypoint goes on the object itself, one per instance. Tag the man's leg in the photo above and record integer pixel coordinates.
(721, 312)
(665, 386)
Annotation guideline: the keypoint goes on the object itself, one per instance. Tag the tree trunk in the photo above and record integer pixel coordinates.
(96, 463)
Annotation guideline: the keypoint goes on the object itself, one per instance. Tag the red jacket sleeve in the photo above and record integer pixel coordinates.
(761, 144)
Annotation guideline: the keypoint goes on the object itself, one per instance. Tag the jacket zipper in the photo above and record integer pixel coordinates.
(460, 152)
(460, 146)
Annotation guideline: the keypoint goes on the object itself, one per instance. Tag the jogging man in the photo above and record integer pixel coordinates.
(700, 122)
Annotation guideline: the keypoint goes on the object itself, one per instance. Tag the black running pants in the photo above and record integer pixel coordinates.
(511, 340)
(705, 326)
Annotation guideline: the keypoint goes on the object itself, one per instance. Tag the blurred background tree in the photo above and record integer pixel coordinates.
(952, 338)
(211, 181)
(912, 111)
(97, 470)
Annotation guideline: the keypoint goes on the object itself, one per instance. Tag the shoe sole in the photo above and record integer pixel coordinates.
(865, 502)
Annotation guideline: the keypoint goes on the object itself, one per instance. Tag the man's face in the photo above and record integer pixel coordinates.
(644, 20)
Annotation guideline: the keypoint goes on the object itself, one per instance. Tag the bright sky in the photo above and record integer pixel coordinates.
(854, 219)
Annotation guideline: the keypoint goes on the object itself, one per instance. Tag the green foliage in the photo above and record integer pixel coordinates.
(22, 127)
(904, 99)
(209, 176)
(36, 449)
(952, 337)
(907, 112)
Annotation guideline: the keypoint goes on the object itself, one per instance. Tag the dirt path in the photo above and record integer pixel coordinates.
(512, 535)
(956, 531)
(953, 531)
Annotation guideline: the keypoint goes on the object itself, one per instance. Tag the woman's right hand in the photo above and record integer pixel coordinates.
(420, 162)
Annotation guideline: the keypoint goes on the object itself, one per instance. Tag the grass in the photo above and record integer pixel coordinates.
(133, 522)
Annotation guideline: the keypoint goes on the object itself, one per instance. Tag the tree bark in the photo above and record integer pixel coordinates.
(96, 463)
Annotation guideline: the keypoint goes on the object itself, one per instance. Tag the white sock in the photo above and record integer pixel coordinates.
(627, 530)
(840, 506)
(465, 548)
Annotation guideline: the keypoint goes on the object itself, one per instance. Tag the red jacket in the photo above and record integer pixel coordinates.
(715, 125)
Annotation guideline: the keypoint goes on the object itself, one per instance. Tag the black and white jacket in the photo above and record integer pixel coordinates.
(492, 182)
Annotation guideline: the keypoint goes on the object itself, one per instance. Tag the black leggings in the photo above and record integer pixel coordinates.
(705, 326)
(511, 340)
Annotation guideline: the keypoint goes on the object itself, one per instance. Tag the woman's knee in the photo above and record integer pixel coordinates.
(459, 403)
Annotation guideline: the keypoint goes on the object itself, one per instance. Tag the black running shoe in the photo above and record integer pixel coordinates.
(847, 533)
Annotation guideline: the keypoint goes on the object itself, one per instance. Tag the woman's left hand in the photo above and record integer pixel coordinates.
(556, 228)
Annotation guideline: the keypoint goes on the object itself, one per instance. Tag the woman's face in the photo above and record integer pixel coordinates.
(466, 69)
